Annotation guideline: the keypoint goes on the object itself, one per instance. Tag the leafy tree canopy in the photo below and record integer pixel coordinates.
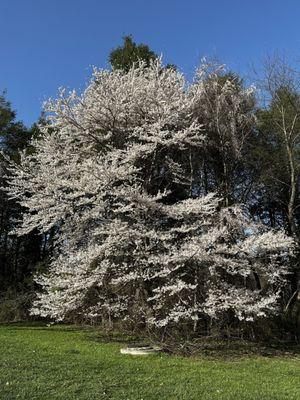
(123, 57)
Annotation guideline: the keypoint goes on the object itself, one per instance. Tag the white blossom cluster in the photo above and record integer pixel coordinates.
(105, 174)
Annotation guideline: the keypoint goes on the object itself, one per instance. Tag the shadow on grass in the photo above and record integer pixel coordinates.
(233, 349)
(41, 326)
(204, 347)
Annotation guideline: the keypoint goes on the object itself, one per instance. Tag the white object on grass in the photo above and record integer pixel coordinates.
(140, 350)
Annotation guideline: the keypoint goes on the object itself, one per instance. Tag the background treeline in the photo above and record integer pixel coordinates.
(260, 170)
(20, 257)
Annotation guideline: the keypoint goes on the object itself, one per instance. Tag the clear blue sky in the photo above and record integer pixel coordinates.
(46, 44)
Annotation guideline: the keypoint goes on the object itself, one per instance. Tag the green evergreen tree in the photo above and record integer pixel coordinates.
(19, 256)
(123, 57)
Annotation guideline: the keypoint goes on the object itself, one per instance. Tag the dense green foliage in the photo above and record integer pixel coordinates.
(124, 56)
(19, 256)
(61, 363)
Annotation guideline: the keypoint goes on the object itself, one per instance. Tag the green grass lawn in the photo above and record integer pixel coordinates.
(37, 362)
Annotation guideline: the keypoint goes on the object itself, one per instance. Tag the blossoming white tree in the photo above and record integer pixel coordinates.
(113, 174)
